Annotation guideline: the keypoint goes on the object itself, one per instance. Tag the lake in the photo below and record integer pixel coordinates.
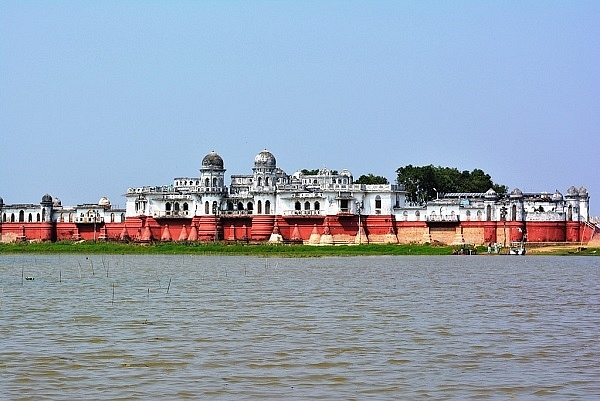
(219, 327)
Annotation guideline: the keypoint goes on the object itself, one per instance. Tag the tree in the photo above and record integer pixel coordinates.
(426, 182)
(371, 179)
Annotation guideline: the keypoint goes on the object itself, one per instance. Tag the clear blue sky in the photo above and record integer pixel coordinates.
(99, 96)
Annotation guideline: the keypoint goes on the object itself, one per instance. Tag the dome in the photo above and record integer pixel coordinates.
(583, 192)
(46, 199)
(56, 202)
(212, 160)
(346, 172)
(516, 193)
(491, 193)
(104, 202)
(572, 191)
(265, 159)
(557, 196)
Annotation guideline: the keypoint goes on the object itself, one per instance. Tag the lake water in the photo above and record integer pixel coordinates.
(176, 327)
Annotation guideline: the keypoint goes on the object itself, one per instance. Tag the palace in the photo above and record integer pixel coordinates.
(321, 209)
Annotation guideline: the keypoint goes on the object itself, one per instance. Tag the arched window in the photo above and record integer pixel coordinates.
(259, 207)
(44, 214)
(214, 181)
(317, 205)
(12, 217)
(30, 217)
(267, 207)
(122, 217)
(207, 183)
(240, 206)
(488, 216)
(297, 206)
(185, 206)
(206, 207)
(514, 213)
(38, 218)
(230, 206)
(307, 205)
(215, 207)
(21, 216)
(176, 207)
(267, 181)
(259, 182)
(378, 202)
(70, 217)
(418, 215)
(168, 207)
(112, 217)
(570, 213)
(4, 217)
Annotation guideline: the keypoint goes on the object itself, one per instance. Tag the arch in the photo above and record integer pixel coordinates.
(12, 217)
(259, 207)
(267, 207)
(266, 181)
(230, 206)
(207, 182)
(513, 213)
(240, 206)
(259, 182)
(70, 217)
(43, 214)
(215, 182)
(317, 205)
(570, 213)
(122, 217)
(250, 206)
(378, 202)
(176, 207)
(168, 206)
(112, 217)
(185, 206)
(30, 217)
(297, 206)
(38, 218)
(418, 215)
(307, 205)
(21, 216)
(4, 217)
(206, 207)
(488, 213)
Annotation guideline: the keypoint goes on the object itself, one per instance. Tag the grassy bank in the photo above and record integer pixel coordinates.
(221, 249)
(263, 250)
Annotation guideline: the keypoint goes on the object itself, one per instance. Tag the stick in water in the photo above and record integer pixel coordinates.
(169, 286)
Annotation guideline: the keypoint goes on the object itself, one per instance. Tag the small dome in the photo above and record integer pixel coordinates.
(56, 202)
(557, 196)
(265, 159)
(346, 172)
(516, 193)
(104, 202)
(491, 193)
(212, 160)
(572, 191)
(47, 199)
(583, 192)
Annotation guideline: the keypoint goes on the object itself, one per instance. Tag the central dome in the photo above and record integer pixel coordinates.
(265, 159)
(212, 160)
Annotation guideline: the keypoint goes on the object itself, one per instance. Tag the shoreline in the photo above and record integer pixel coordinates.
(279, 250)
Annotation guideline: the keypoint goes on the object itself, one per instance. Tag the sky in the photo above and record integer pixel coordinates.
(100, 96)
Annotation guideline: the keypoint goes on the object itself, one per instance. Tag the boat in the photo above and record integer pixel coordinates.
(517, 248)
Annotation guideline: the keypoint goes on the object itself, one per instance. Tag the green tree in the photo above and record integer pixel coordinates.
(371, 179)
(426, 182)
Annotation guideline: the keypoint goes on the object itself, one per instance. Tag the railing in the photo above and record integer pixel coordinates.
(302, 213)
(443, 218)
(89, 220)
(236, 212)
(171, 213)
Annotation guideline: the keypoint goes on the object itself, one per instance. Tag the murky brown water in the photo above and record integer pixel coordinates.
(484, 327)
